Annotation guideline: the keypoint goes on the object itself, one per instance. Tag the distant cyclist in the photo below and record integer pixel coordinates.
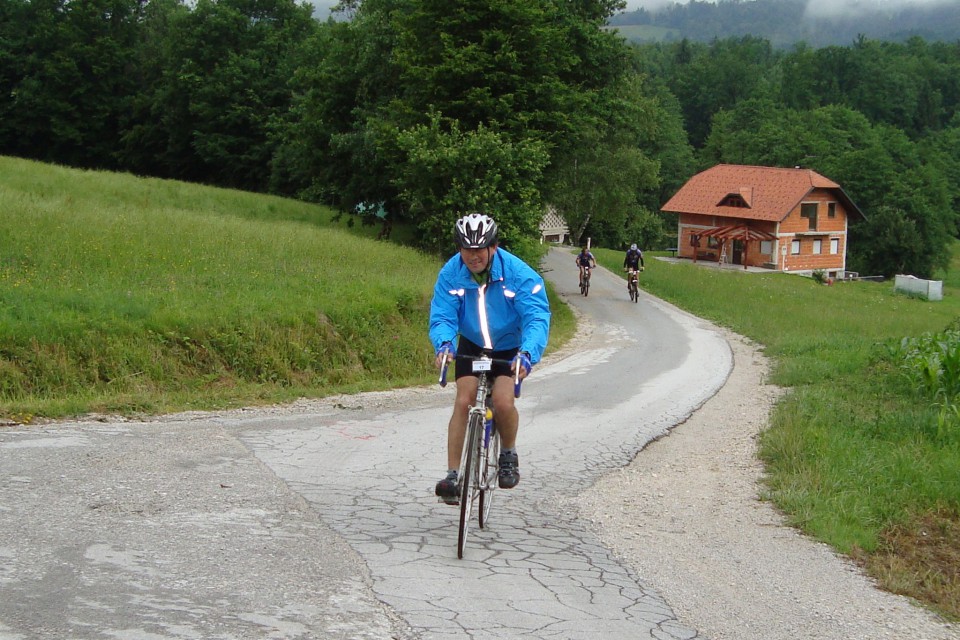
(493, 301)
(585, 259)
(633, 261)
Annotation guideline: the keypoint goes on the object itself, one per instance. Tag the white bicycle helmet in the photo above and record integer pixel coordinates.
(475, 231)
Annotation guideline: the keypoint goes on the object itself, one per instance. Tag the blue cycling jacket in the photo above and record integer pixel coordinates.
(510, 311)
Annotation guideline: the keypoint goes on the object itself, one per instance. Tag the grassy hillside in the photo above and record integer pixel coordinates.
(121, 294)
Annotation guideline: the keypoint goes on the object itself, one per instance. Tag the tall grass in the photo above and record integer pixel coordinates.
(121, 294)
(858, 449)
(116, 292)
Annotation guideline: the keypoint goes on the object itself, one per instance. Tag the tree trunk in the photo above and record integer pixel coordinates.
(580, 229)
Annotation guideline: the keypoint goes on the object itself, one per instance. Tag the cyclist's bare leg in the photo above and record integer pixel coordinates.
(457, 428)
(508, 419)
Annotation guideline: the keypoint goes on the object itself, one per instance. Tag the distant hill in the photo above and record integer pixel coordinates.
(786, 22)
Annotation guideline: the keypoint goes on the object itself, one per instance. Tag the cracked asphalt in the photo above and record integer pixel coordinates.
(317, 519)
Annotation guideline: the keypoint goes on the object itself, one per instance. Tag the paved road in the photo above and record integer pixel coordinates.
(318, 520)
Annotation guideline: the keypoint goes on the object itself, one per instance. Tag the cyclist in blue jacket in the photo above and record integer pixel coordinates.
(490, 299)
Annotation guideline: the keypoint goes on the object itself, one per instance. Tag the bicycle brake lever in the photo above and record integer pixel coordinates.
(443, 369)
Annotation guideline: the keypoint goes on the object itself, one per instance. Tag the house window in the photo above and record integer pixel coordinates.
(834, 246)
(808, 210)
(832, 210)
(817, 246)
(712, 242)
(766, 247)
(795, 247)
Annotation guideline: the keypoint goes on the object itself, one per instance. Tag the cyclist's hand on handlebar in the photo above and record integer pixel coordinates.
(446, 349)
(522, 360)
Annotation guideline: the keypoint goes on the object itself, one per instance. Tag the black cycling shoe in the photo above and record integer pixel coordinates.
(509, 474)
(448, 490)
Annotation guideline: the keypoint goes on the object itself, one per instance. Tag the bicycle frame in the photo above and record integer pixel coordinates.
(479, 458)
(480, 432)
(478, 415)
(584, 279)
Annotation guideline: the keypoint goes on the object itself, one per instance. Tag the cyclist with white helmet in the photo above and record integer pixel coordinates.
(486, 298)
(633, 261)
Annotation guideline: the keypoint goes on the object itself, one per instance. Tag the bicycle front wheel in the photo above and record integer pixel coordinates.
(468, 479)
(489, 470)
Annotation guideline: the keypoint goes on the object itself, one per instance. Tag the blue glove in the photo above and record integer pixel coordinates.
(448, 347)
(524, 359)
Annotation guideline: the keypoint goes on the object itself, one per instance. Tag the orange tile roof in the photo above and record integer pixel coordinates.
(771, 193)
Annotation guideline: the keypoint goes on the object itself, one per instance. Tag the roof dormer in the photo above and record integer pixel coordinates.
(740, 199)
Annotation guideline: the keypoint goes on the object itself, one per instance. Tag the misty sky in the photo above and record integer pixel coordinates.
(820, 7)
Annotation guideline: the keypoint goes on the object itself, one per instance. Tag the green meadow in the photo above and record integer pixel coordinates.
(863, 452)
(127, 295)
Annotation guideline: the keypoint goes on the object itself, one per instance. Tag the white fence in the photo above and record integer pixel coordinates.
(929, 289)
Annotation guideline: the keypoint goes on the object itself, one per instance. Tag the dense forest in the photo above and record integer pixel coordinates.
(787, 22)
(424, 109)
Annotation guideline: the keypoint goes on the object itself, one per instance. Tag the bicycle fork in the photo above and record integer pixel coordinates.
(489, 473)
(477, 443)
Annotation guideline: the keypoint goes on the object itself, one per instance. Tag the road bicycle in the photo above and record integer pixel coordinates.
(632, 287)
(585, 281)
(480, 459)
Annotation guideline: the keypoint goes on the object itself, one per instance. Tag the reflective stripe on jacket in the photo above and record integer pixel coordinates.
(509, 312)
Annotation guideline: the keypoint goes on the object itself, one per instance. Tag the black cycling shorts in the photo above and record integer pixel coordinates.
(468, 348)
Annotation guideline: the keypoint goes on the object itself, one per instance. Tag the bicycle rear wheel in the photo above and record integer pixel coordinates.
(489, 469)
(468, 479)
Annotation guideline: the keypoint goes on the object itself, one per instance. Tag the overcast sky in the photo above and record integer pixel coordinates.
(820, 7)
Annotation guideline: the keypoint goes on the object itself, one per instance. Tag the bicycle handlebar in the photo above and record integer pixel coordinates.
(516, 376)
(443, 368)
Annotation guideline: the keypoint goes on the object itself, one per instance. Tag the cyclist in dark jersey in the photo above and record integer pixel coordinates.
(633, 261)
(585, 259)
